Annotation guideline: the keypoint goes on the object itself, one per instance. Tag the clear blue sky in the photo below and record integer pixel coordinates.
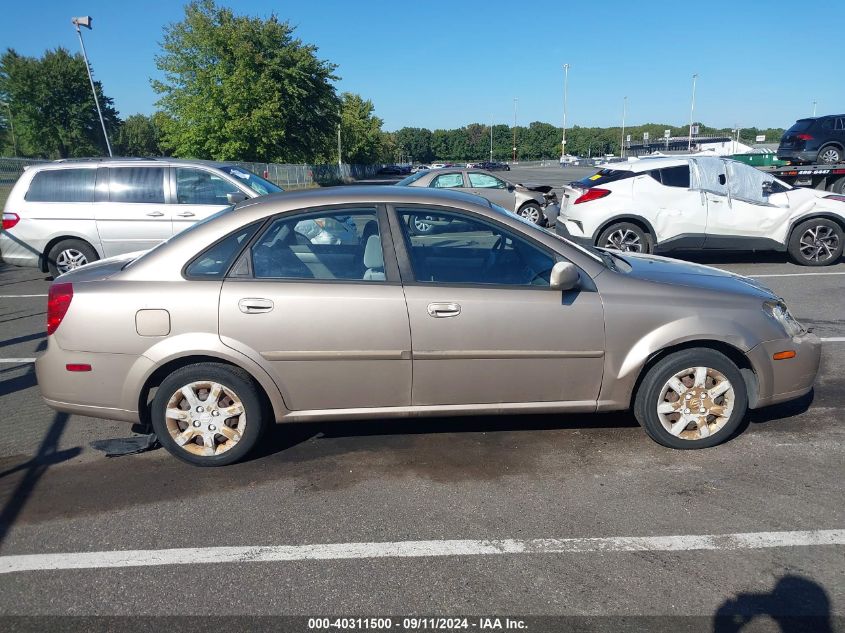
(445, 64)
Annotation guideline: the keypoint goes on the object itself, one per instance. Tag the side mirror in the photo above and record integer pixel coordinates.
(511, 187)
(564, 276)
(235, 197)
(767, 189)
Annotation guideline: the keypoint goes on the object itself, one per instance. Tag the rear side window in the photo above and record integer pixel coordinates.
(214, 262)
(62, 185)
(604, 176)
(136, 184)
(840, 124)
(673, 176)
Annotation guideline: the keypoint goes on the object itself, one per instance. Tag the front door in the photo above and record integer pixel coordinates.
(133, 215)
(313, 297)
(199, 194)
(486, 327)
(494, 189)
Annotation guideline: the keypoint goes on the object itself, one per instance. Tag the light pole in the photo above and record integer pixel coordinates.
(491, 137)
(691, 113)
(515, 101)
(814, 108)
(339, 118)
(12, 126)
(86, 22)
(565, 85)
(624, 111)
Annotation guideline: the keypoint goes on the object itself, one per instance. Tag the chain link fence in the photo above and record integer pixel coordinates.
(288, 177)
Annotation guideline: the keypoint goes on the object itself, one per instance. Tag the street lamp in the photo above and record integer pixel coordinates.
(691, 111)
(565, 85)
(491, 137)
(12, 126)
(515, 102)
(86, 22)
(814, 108)
(624, 110)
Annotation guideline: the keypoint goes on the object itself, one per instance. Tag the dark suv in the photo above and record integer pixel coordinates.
(815, 140)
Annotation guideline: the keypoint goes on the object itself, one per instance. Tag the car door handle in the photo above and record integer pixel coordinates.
(443, 310)
(155, 214)
(185, 214)
(255, 306)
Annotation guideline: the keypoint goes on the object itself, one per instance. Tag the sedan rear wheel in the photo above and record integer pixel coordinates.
(694, 398)
(817, 242)
(208, 414)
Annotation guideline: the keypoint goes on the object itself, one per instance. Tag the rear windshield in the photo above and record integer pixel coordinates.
(604, 176)
(801, 125)
(412, 178)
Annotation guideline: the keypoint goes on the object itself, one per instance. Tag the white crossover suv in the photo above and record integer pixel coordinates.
(701, 202)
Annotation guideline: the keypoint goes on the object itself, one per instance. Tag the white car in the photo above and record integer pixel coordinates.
(701, 202)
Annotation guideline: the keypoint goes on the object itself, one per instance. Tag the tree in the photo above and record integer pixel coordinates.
(416, 143)
(244, 88)
(360, 130)
(52, 106)
(138, 136)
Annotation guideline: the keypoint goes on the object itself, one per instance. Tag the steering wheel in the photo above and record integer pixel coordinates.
(493, 256)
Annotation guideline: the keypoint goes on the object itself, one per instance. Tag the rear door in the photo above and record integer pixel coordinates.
(198, 193)
(317, 297)
(132, 213)
(676, 210)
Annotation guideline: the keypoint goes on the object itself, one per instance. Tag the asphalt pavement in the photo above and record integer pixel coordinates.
(576, 515)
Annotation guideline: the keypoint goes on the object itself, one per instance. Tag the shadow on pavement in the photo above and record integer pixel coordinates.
(796, 605)
(23, 339)
(17, 383)
(46, 455)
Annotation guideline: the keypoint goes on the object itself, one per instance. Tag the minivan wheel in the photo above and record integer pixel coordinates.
(626, 237)
(68, 255)
(816, 242)
(830, 154)
(208, 414)
(695, 398)
(532, 212)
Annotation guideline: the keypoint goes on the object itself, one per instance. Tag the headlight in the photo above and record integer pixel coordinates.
(780, 313)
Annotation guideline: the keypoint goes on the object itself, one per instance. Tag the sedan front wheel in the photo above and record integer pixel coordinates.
(532, 213)
(695, 398)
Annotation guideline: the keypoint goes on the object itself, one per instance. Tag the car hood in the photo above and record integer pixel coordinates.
(671, 271)
(101, 269)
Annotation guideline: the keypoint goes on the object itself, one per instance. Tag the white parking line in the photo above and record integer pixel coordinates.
(19, 296)
(833, 339)
(418, 549)
(16, 361)
(796, 274)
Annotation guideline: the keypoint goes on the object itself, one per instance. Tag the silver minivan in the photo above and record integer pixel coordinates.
(67, 213)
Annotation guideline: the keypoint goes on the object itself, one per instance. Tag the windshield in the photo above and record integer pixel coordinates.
(255, 182)
(413, 177)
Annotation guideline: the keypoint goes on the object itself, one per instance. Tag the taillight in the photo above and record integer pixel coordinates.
(804, 137)
(10, 220)
(58, 302)
(592, 194)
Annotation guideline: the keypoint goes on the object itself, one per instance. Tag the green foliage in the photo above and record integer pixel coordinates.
(138, 135)
(242, 88)
(360, 130)
(52, 106)
(416, 143)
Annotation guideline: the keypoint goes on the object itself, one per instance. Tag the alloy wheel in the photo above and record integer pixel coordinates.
(819, 243)
(830, 155)
(530, 213)
(421, 225)
(624, 240)
(70, 259)
(205, 418)
(695, 403)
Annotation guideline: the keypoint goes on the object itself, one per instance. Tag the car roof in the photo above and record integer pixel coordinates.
(130, 161)
(647, 163)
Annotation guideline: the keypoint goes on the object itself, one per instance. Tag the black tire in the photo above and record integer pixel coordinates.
(626, 229)
(830, 155)
(838, 186)
(69, 250)
(417, 225)
(649, 394)
(532, 212)
(803, 248)
(235, 381)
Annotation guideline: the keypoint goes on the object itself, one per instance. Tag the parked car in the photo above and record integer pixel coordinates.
(494, 166)
(815, 140)
(390, 170)
(64, 214)
(237, 323)
(440, 165)
(530, 201)
(417, 168)
(681, 203)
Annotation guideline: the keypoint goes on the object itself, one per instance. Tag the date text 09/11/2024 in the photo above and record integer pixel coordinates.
(417, 624)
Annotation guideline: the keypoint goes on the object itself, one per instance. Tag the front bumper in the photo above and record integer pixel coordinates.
(562, 230)
(782, 380)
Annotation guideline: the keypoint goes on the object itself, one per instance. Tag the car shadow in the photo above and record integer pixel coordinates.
(17, 383)
(796, 604)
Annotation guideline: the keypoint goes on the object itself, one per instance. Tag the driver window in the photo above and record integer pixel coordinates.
(484, 181)
(448, 181)
(456, 248)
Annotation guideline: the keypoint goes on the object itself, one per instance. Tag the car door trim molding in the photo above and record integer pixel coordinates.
(503, 354)
(323, 355)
